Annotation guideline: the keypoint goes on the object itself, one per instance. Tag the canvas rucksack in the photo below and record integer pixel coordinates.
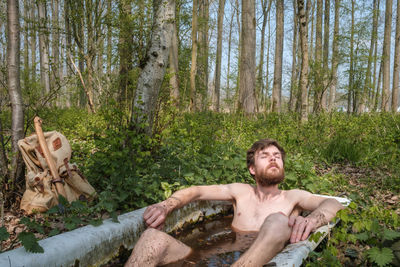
(41, 193)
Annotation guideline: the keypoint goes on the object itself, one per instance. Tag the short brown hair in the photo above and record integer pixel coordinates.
(260, 145)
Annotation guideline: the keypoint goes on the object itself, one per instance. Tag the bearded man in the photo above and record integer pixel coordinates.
(263, 209)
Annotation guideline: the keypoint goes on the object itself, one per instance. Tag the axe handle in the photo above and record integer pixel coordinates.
(50, 161)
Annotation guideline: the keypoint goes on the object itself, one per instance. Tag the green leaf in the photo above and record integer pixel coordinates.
(96, 222)
(362, 236)
(4, 235)
(54, 232)
(390, 234)
(381, 257)
(29, 241)
(114, 217)
(32, 225)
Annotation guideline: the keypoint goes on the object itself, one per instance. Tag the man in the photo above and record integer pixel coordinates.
(262, 208)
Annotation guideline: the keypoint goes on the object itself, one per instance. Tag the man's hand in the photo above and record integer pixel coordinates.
(155, 215)
(301, 227)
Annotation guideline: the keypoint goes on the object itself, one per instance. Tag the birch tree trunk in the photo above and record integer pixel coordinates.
(14, 88)
(247, 100)
(216, 95)
(303, 82)
(335, 58)
(395, 89)
(193, 66)
(152, 75)
(43, 47)
(386, 56)
(277, 87)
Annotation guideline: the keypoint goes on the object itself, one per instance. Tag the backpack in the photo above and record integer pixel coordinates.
(41, 193)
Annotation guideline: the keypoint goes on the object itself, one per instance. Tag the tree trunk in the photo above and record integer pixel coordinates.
(367, 84)
(335, 58)
(351, 78)
(33, 39)
(14, 88)
(303, 82)
(277, 87)
(247, 100)
(318, 81)
(109, 35)
(193, 66)
(202, 56)
(26, 43)
(374, 76)
(325, 55)
(216, 94)
(260, 76)
(125, 50)
(293, 78)
(56, 71)
(228, 88)
(173, 66)
(395, 89)
(152, 75)
(43, 47)
(386, 56)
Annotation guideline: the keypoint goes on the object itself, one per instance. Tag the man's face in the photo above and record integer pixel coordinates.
(268, 166)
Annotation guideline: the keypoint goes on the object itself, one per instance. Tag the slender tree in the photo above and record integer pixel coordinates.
(14, 88)
(395, 89)
(247, 100)
(266, 7)
(43, 46)
(318, 79)
(325, 55)
(293, 78)
(386, 56)
(351, 69)
(216, 95)
(277, 86)
(202, 56)
(193, 66)
(303, 81)
(367, 83)
(174, 65)
(335, 58)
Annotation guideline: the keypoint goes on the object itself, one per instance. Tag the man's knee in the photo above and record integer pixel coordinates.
(276, 225)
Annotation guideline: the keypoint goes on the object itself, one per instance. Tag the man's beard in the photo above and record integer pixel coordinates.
(266, 178)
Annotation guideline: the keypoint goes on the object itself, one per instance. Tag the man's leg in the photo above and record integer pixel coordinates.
(271, 239)
(156, 248)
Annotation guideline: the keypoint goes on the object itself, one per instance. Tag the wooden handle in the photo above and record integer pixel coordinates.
(50, 162)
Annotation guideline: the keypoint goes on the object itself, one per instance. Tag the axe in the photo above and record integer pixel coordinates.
(49, 160)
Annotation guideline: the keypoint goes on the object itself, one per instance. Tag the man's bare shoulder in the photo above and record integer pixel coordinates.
(240, 188)
(297, 194)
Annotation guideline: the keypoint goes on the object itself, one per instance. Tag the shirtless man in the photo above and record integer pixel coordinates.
(263, 208)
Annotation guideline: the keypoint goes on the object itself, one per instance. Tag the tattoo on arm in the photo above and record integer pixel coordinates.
(321, 219)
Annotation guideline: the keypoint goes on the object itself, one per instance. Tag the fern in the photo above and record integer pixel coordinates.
(30, 242)
(381, 257)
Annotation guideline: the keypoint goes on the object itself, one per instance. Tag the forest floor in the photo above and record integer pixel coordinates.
(362, 181)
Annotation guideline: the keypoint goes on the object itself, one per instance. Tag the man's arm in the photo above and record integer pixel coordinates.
(156, 214)
(323, 210)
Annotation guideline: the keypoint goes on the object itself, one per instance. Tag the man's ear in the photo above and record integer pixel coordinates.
(252, 170)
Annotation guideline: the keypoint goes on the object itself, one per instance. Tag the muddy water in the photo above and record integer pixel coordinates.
(213, 243)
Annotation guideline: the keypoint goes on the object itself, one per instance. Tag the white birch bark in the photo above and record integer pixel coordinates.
(152, 75)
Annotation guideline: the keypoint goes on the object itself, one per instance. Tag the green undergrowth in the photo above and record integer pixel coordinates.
(131, 170)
